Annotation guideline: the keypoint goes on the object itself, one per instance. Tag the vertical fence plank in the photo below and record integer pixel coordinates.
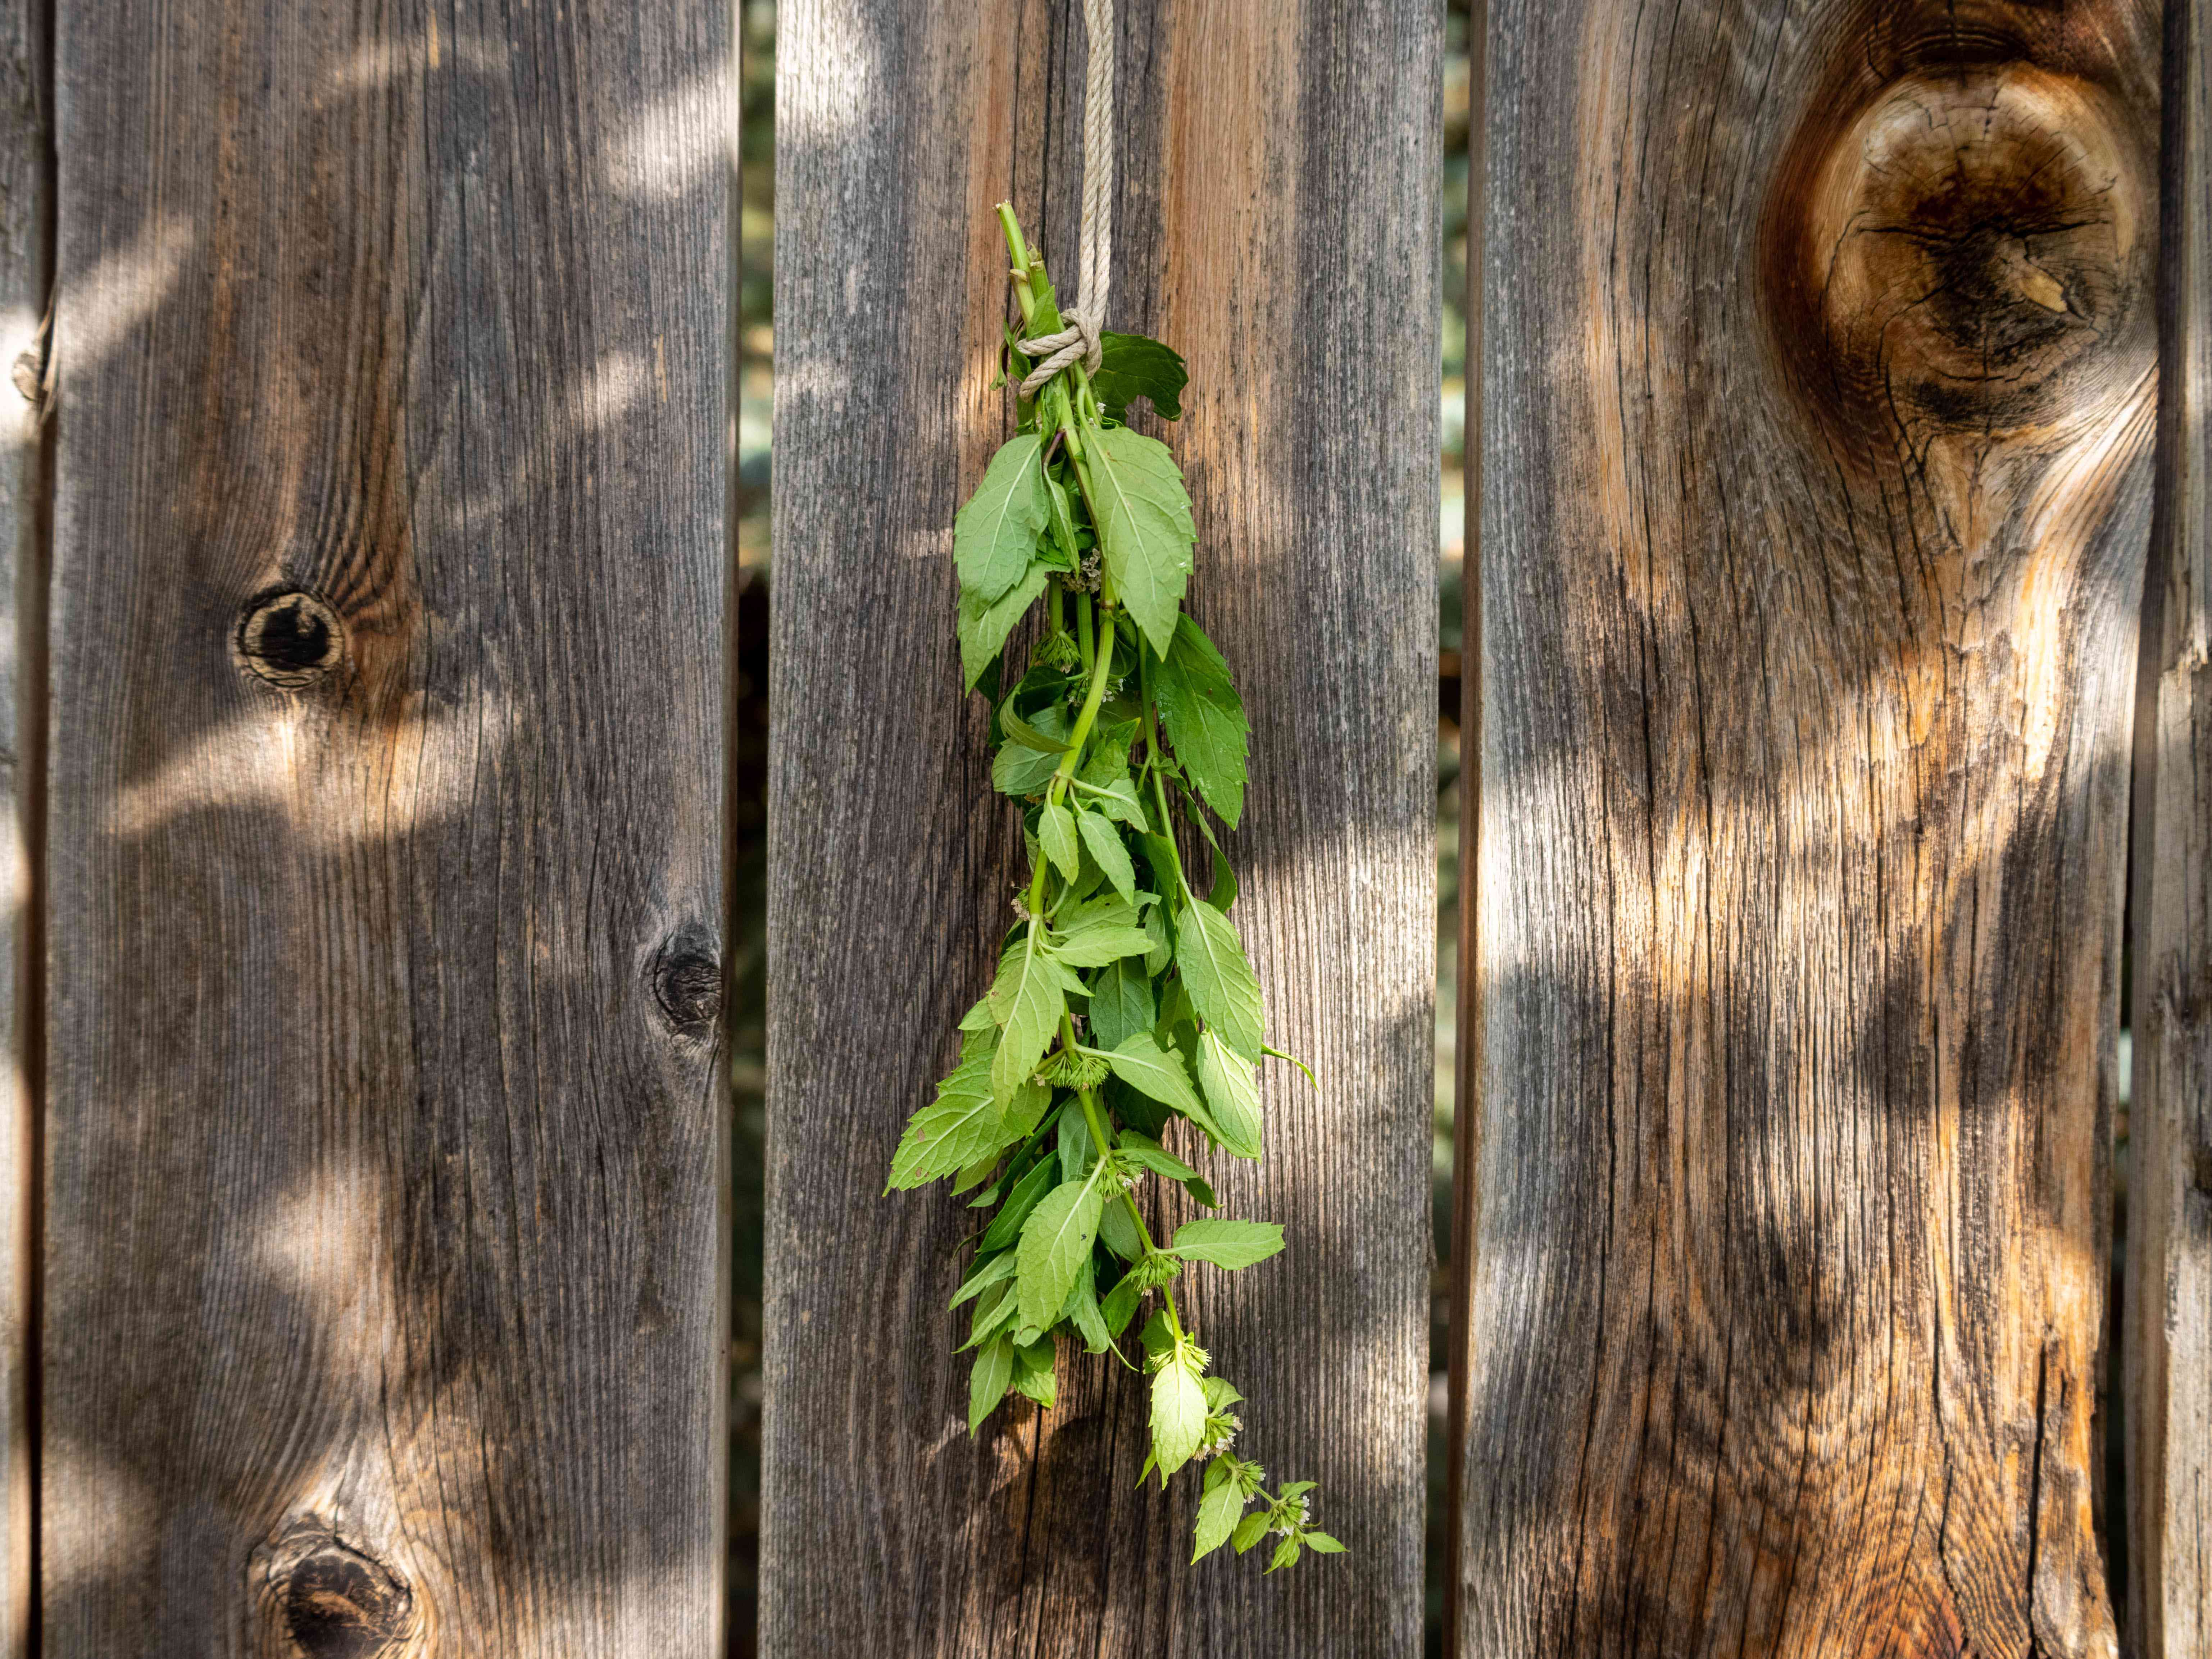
(1277, 223)
(1818, 408)
(26, 270)
(383, 1267)
(2168, 1347)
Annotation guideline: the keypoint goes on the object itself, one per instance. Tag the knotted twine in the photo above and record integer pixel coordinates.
(1078, 340)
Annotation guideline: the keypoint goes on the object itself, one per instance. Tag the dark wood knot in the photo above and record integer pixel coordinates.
(289, 638)
(329, 1599)
(1969, 249)
(687, 981)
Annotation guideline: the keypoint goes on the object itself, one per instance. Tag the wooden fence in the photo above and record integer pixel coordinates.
(1841, 579)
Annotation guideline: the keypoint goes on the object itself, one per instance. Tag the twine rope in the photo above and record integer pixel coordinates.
(1079, 341)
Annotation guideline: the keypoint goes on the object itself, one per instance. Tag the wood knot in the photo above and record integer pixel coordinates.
(687, 981)
(329, 1601)
(289, 638)
(1970, 249)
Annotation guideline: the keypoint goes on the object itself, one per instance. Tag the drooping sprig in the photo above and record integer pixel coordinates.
(1123, 1007)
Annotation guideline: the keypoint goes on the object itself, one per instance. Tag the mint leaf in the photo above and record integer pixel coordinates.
(1118, 1232)
(1220, 981)
(984, 624)
(966, 1122)
(1218, 1514)
(1130, 367)
(1120, 1304)
(1286, 1554)
(1178, 1411)
(1233, 1092)
(1033, 1005)
(991, 1271)
(1056, 1237)
(1250, 1531)
(987, 1384)
(1085, 1313)
(1143, 1149)
(1140, 1062)
(1205, 720)
(1230, 1244)
(1033, 1371)
(1321, 1544)
(1105, 842)
(1056, 830)
(1006, 1226)
(995, 533)
(1098, 944)
(1018, 769)
(1121, 1002)
(1145, 530)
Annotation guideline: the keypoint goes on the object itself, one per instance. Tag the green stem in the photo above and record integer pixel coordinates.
(1068, 762)
(1104, 1142)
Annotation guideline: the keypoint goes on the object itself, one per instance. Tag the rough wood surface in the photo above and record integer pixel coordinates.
(1819, 392)
(1276, 222)
(26, 270)
(2168, 1353)
(383, 1272)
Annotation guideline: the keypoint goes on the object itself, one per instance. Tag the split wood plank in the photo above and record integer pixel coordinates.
(384, 1269)
(1818, 407)
(2168, 1317)
(26, 270)
(1276, 222)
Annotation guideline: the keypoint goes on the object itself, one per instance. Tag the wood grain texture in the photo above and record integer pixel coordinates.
(384, 1271)
(2167, 1357)
(1819, 387)
(26, 270)
(1276, 222)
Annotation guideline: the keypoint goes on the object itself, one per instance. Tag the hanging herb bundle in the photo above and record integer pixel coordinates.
(1123, 1001)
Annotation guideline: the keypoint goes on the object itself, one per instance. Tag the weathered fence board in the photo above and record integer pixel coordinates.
(383, 1269)
(2168, 1352)
(26, 269)
(1818, 405)
(1277, 222)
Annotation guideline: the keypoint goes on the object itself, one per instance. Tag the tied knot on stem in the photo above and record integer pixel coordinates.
(1076, 342)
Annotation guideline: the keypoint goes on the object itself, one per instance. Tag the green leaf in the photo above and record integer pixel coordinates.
(1006, 1226)
(1014, 729)
(1145, 1151)
(1222, 895)
(1121, 1002)
(985, 623)
(1145, 530)
(1096, 945)
(1178, 1411)
(1140, 1062)
(1204, 717)
(1202, 1191)
(1233, 1092)
(1060, 521)
(1018, 769)
(1156, 927)
(1222, 986)
(1218, 1514)
(993, 1312)
(995, 533)
(1056, 1237)
(1107, 851)
(1321, 1544)
(1056, 829)
(1250, 1531)
(1286, 1554)
(989, 1273)
(1120, 1304)
(1130, 366)
(1033, 1371)
(1085, 1314)
(1230, 1244)
(1220, 1394)
(1119, 1232)
(965, 1122)
(1033, 1006)
(987, 1383)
